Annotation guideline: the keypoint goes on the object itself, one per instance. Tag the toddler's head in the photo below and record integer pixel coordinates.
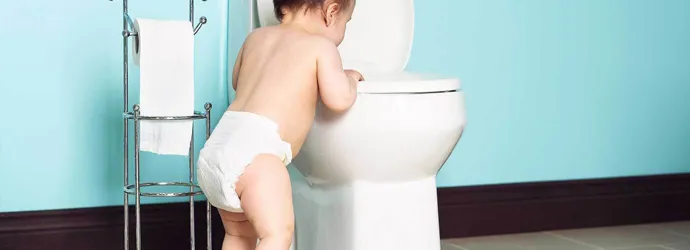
(330, 17)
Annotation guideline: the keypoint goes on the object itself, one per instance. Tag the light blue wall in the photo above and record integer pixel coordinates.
(555, 90)
(61, 90)
(562, 89)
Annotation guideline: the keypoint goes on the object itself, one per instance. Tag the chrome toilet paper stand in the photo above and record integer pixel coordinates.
(129, 31)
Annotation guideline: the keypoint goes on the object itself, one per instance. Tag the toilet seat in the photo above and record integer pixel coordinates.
(406, 83)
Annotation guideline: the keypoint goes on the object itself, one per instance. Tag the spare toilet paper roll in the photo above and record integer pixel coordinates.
(166, 62)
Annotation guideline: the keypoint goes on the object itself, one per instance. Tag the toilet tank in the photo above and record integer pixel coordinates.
(377, 39)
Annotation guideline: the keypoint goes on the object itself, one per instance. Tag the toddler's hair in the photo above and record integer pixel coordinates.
(292, 5)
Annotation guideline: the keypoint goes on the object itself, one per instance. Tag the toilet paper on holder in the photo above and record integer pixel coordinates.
(164, 53)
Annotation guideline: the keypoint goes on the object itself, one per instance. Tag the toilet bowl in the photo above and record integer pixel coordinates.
(367, 177)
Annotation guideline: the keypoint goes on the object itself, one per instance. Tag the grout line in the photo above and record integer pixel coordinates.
(638, 247)
(453, 245)
(668, 230)
(573, 240)
(676, 233)
(459, 247)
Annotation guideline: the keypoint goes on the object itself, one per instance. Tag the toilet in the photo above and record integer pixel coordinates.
(366, 179)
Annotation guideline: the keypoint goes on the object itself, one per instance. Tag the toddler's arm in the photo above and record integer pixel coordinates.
(338, 91)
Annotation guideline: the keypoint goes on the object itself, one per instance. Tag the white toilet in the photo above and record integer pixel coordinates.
(369, 175)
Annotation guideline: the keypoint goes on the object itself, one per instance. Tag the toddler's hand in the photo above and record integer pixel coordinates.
(354, 75)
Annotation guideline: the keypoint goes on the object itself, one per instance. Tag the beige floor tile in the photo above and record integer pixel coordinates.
(448, 246)
(682, 246)
(531, 241)
(681, 228)
(646, 248)
(623, 237)
(486, 243)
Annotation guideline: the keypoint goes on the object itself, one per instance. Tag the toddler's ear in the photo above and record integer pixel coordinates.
(332, 11)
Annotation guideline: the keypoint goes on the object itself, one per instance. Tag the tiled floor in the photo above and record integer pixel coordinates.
(666, 236)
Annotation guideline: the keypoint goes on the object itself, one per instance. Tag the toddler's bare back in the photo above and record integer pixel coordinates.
(275, 75)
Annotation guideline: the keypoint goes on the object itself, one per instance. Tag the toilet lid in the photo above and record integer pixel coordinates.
(406, 83)
(378, 38)
(266, 14)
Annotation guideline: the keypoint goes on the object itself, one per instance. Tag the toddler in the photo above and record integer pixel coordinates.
(280, 74)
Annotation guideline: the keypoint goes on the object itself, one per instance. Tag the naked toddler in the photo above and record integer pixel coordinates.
(280, 74)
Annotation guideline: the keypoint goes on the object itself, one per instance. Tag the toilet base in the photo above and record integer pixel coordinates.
(367, 216)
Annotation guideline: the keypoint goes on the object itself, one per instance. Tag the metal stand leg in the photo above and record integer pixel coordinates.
(191, 158)
(208, 107)
(191, 12)
(125, 69)
(136, 175)
(191, 189)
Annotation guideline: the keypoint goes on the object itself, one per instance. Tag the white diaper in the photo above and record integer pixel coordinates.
(237, 139)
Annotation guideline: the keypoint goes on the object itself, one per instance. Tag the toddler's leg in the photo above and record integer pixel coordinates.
(266, 199)
(239, 233)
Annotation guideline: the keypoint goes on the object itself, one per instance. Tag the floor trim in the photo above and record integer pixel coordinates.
(540, 206)
(164, 226)
(463, 211)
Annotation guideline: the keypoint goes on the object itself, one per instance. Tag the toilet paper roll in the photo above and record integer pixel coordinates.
(136, 47)
(135, 43)
(166, 62)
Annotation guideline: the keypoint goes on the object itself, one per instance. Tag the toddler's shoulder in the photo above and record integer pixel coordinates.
(320, 45)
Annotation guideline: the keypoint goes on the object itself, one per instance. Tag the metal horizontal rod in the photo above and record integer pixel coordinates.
(131, 189)
(197, 116)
